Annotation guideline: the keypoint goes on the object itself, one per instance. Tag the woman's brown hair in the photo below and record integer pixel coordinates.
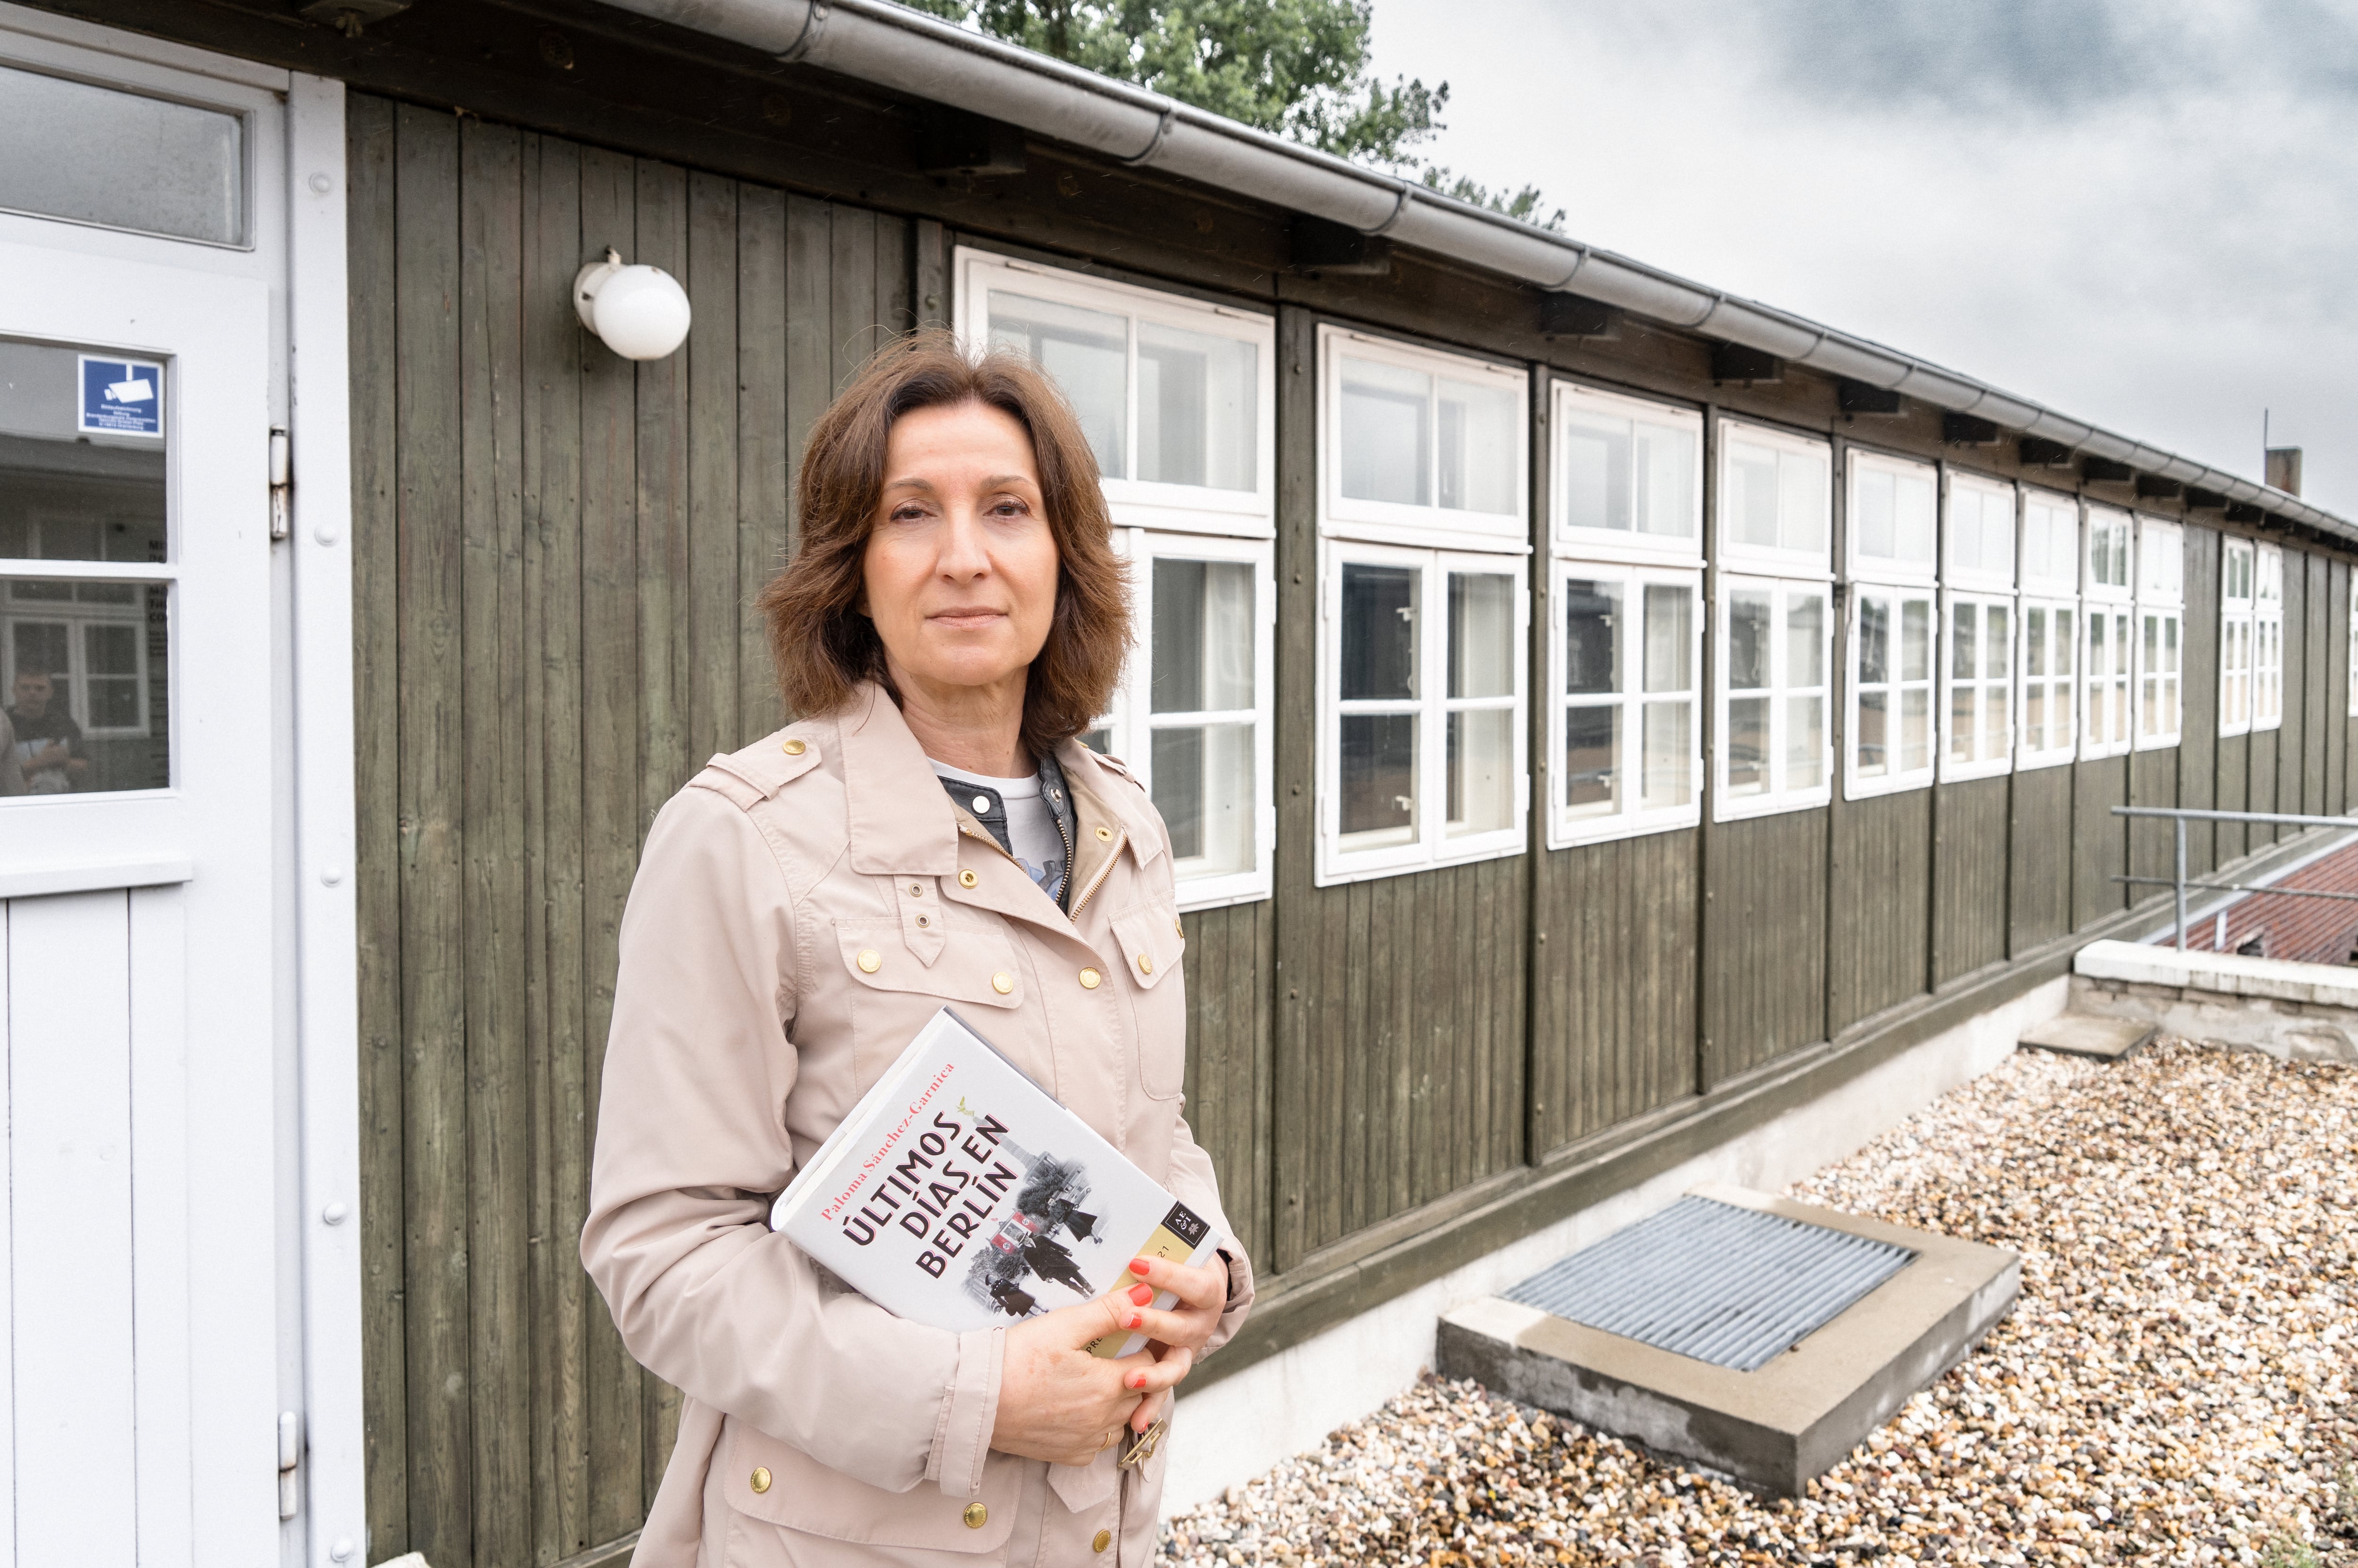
(823, 645)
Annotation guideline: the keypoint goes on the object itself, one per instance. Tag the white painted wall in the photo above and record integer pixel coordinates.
(1235, 1429)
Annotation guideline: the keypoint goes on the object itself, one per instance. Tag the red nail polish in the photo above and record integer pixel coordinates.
(1141, 1294)
(1139, 1266)
(1135, 1320)
(1138, 1380)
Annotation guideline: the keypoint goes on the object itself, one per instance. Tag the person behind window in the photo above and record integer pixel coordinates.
(12, 777)
(930, 831)
(49, 748)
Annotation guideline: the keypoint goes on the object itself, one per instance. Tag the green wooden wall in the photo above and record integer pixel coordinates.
(556, 552)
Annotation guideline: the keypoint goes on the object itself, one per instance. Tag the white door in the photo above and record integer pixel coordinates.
(143, 1325)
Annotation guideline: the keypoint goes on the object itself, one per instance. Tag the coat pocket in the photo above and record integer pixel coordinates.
(1152, 943)
(778, 1484)
(977, 966)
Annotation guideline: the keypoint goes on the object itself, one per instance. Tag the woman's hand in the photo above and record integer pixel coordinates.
(1058, 1402)
(1174, 1335)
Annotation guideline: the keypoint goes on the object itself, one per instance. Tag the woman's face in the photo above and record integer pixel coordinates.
(960, 571)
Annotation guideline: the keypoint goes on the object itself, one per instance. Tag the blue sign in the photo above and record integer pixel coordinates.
(120, 397)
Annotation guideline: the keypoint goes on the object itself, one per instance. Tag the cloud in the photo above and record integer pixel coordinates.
(2141, 213)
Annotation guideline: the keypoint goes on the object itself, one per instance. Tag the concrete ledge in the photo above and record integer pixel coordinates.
(1779, 1426)
(2098, 1036)
(2295, 1013)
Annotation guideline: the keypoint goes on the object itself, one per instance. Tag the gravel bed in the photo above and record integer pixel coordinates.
(2175, 1386)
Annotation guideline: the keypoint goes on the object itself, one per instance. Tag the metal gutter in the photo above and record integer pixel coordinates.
(933, 61)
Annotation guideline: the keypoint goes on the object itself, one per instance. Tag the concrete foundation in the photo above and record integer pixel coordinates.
(1775, 1428)
(1233, 1429)
(2295, 1013)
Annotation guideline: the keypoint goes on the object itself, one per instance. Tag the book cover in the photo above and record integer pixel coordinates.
(959, 1193)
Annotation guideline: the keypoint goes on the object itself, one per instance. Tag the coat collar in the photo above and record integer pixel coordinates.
(902, 822)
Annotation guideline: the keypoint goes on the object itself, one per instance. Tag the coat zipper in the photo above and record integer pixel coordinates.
(1111, 856)
(1068, 838)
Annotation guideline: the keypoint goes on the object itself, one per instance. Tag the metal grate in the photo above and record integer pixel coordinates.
(1724, 1284)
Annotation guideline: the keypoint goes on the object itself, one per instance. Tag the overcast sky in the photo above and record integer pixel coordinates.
(2141, 212)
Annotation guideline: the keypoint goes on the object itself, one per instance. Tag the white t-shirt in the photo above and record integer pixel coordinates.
(1032, 831)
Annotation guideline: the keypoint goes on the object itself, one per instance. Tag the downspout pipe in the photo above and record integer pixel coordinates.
(935, 61)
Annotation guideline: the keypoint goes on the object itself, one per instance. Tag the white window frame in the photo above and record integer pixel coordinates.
(1977, 577)
(1631, 820)
(2052, 588)
(1763, 560)
(1132, 721)
(2267, 638)
(1952, 602)
(1781, 795)
(2160, 599)
(1570, 400)
(2107, 606)
(1862, 466)
(1136, 502)
(1858, 786)
(2237, 576)
(1398, 523)
(1433, 846)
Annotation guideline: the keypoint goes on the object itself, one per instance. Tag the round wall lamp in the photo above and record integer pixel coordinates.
(639, 312)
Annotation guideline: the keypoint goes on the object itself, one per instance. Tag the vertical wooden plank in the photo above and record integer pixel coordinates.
(851, 310)
(895, 313)
(2337, 699)
(929, 273)
(1879, 945)
(1298, 970)
(490, 528)
(370, 279)
(70, 1200)
(610, 686)
(714, 596)
(810, 331)
(2039, 862)
(763, 459)
(1765, 991)
(433, 929)
(552, 435)
(2290, 739)
(1969, 901)
(666, 654)
(2198, 745)
(2316, 673)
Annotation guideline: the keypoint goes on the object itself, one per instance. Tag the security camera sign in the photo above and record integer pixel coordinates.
(120, 397)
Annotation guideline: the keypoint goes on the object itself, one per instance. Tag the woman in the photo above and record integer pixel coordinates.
(931, 833)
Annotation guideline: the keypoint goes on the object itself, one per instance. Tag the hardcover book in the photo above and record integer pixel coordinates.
(961, 1194)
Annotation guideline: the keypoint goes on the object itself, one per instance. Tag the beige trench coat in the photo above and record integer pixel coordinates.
(744, 1030)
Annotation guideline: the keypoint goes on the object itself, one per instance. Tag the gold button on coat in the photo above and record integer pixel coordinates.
(1002, 983)
(870, 960)
(1146, 965)
(761, 1481)
(1090, 978)
(974, 1516)
(1104, 832)
(792, 749)
(968, 879)
(1104, 1538)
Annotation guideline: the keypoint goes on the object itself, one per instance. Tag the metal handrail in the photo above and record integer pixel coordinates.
(2180, 816)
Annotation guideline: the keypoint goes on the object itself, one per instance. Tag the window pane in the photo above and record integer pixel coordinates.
(1668, 771)
(97, 155)
(1877, 518)
(1379, 764)
(1480, 765)
(1913, 522)
(1964, 627)
(2169, 644)
(1087, 353)
(1666, 480)
(1916, 640)
(1801, 503)
(1379, 631)
(1596, 472)
(1997, 642)
(2034, 716)
(1196, 397)
(1098, 740)
(1203, 636)
(1592, 760)
(1915, 730)
(1477, 446)
(1997, 723)
(83, 445)
(1805, 640)
(1747, 640)
(1964, 722)
(1203, 788)
(1481, 635)
(2034, 641)
(1592, 633)
(1752, 493)
(87, 689)
(1747, 745)
(2066, 643)
(1874, 732)
(1670, 637)
(1805, 742)
(1386, 442)
(1873, 641)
